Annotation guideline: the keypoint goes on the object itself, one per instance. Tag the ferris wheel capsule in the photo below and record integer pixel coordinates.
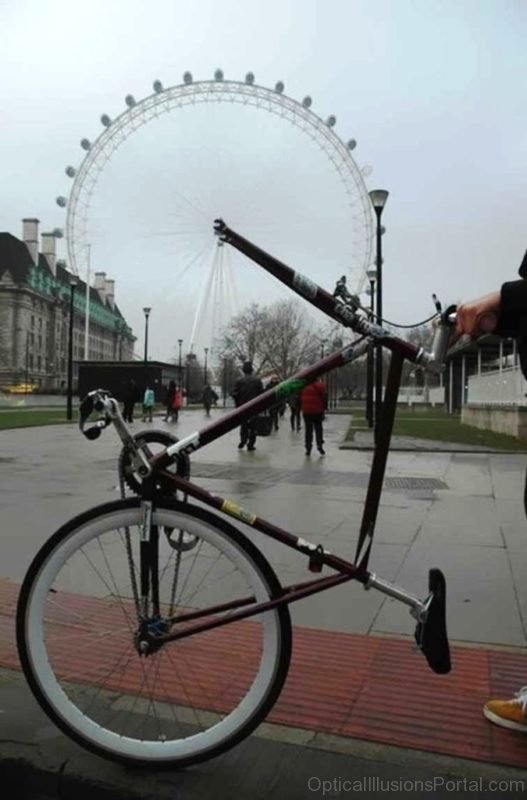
(85, 144)
(249, 78)
(70, 172)
(187, 77)
(218, 75)
(158, 87)
(106, 121)
(306, 102)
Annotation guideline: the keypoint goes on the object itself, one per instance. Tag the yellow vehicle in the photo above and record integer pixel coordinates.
(21, 388)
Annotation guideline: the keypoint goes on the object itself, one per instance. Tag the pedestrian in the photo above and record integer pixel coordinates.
(503, 313)
(245, 389)
(149, 400)
(294, 405)
(313, 402)
(274, 411)
(209, 398)
(177, 402)
(169, 398)
(129, 400)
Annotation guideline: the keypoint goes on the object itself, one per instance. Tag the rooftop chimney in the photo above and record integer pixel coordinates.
(30, 237)
(110, 292)
(100, 284)
(48, 250)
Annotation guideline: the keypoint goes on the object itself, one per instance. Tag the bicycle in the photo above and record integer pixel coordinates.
(151, 630)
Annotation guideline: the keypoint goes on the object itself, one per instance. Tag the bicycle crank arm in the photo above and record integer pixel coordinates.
(430, 633)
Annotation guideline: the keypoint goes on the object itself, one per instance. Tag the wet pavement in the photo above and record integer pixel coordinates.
(461, 512)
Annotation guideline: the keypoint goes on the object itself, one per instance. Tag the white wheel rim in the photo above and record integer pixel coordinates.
(89, 729)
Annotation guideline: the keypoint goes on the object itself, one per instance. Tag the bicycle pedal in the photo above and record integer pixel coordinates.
(430, 633)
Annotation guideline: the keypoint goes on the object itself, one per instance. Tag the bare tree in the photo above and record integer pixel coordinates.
(288, 342)
(277, 338)
(243, 338)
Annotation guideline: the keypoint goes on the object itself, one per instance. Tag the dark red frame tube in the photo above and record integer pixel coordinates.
(401, 350)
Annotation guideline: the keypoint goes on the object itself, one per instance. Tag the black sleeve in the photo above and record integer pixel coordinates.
(513, 309)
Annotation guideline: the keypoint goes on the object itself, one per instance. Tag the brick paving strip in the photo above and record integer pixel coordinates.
(374, 688)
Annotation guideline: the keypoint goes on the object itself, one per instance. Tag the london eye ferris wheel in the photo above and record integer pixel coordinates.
(144, 197)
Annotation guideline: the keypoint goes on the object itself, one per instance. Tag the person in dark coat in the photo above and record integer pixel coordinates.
(313, 402)
(294, 405)
(274, 411)
(246, 389)
(209, 398)
(129, 400)
(504, 313)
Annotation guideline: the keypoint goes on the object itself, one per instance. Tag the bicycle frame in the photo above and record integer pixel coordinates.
(317, 555)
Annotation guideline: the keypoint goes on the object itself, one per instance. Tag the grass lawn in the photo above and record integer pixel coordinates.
(29, 417)
(435, 423)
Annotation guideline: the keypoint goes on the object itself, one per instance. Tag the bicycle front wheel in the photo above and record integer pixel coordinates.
(77, 632)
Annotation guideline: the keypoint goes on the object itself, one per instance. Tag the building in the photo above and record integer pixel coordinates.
(35, 298)
(116, 376)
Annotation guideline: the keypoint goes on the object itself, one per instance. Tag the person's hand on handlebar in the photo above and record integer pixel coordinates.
(477, 316)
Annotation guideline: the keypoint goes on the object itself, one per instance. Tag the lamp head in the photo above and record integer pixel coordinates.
(378, 199)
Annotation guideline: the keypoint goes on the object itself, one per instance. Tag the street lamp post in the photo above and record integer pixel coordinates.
(146, 312)
(121, 335)
(370, 363)
(27, 360)
(69, 405)
(378, 199)
(206, 349)
(180, 382)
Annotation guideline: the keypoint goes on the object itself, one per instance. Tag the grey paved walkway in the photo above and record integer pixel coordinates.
(461, 512)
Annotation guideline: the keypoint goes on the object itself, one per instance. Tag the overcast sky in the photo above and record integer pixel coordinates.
(434, 93)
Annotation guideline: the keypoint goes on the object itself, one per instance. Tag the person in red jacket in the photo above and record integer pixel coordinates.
(313, 402)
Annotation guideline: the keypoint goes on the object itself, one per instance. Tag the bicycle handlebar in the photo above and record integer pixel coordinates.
(341, 305)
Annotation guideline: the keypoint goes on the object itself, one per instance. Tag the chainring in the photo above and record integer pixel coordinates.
(129, 475)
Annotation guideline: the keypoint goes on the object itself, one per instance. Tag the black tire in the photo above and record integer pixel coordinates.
(28, 645)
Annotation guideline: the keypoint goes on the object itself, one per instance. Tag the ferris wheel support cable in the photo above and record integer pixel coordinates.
(198, 256)
(216, 292)
(232, 292)
(203, 296)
